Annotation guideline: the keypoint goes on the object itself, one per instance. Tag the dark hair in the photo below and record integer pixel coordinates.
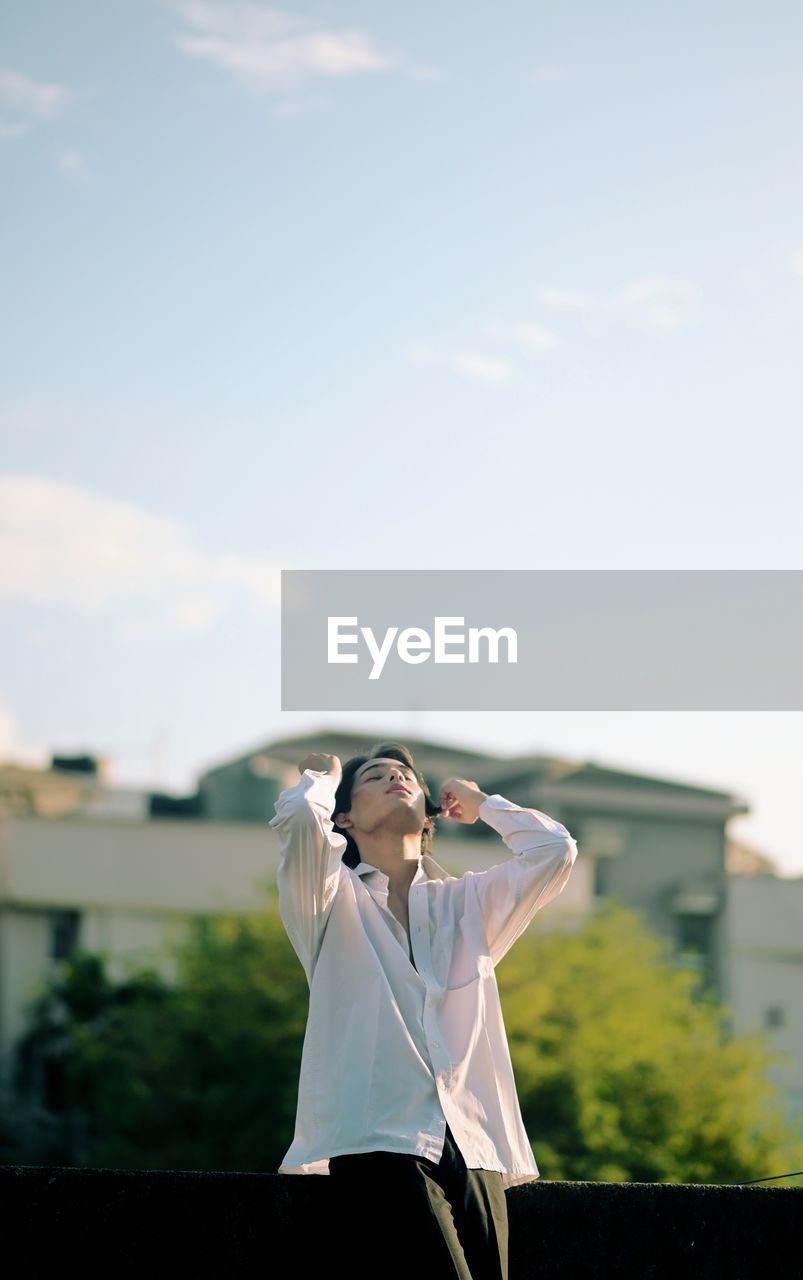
(390, 751)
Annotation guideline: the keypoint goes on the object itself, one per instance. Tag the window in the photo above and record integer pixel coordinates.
(694, 934)
(64, 929)
(601, 877)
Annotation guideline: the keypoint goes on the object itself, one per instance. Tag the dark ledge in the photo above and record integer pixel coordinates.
(121, 1222)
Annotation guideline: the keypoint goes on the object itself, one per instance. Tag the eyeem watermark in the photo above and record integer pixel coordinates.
(542, 640)
(414, 645)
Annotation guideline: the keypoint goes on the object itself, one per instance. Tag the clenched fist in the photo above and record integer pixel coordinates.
(321, 763)
(461, 800)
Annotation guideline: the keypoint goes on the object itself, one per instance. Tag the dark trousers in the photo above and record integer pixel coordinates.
(405, 1215)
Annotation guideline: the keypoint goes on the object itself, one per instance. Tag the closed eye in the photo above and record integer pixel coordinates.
(370, 776)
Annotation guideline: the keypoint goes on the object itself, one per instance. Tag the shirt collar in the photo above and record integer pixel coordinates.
(428, 869)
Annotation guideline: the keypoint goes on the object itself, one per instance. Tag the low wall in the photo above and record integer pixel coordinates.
(188, 1224)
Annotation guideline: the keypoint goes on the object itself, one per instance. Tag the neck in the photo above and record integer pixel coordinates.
(396, 855)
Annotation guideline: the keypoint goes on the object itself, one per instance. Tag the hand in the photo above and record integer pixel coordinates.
(461, 800)
(321, 763)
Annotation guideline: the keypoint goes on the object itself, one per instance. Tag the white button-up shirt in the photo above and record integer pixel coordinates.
(394, 1049)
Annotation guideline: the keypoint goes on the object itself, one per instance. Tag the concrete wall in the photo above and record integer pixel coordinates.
(765, 917)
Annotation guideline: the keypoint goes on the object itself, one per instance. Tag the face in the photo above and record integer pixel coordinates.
(385, 792)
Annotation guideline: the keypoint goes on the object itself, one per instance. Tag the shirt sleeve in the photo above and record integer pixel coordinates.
(310, 861)
(511, 892)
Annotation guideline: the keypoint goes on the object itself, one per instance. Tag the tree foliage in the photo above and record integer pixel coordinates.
(199, 1073)
(625, 1067)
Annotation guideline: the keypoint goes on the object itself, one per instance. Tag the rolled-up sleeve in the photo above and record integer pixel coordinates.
(310, 861)
(513, 891)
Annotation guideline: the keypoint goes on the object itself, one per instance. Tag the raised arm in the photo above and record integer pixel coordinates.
(511, 892)
(311, 854)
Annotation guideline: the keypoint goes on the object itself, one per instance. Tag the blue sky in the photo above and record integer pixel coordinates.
(369, 285)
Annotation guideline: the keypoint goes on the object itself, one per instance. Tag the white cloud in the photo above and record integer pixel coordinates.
(662, 317)
(62, 545)
(555, 296)
(533, 337)
(471, 364)
(483, 368)
(642, 290)
(33, 97)
(633, 297)
(196, 613)
(187, 616)
(795, 261)
(29, 100)
(642, 297)
(267, 48)
(11, 746)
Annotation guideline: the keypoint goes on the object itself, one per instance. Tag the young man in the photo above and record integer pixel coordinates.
(406, 1091)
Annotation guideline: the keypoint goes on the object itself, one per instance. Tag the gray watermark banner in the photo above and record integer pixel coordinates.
(542, 640)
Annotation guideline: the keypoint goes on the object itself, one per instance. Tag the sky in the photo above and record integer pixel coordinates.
(396, 286)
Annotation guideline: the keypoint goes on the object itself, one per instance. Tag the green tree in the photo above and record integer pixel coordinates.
(625, 1072)
(196, 1074)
